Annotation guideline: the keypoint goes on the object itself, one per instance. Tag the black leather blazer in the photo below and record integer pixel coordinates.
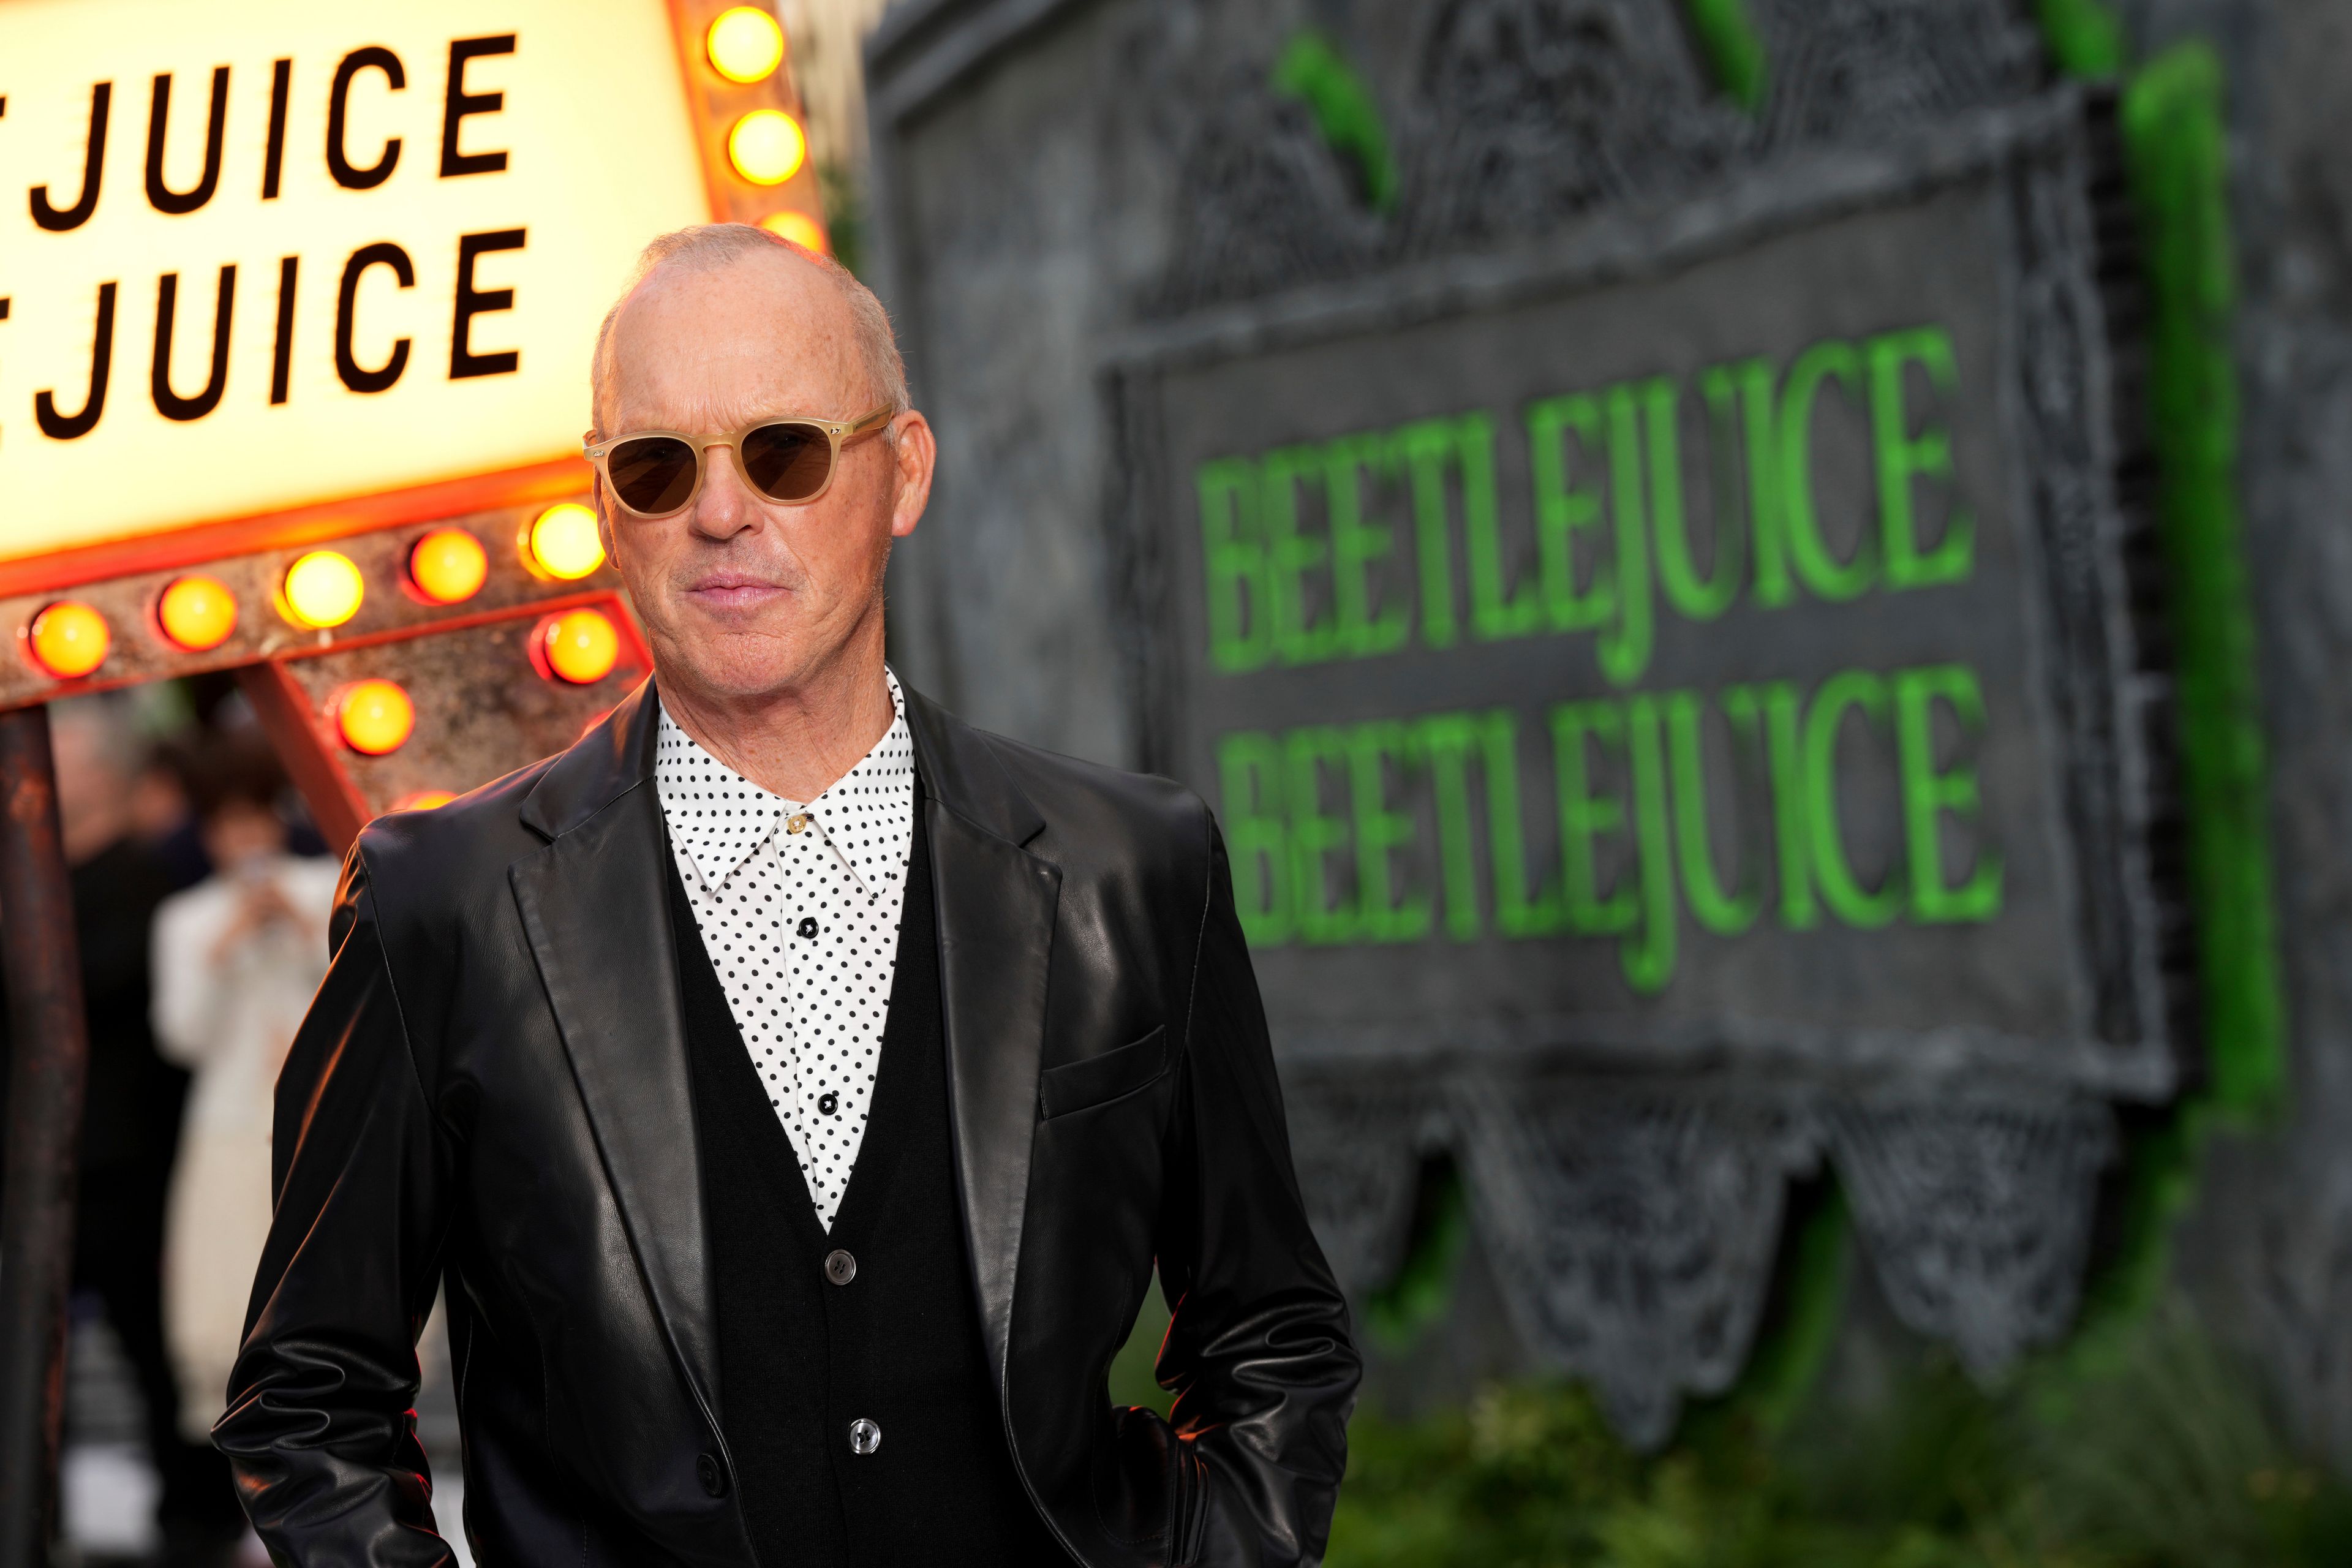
(491, 1090)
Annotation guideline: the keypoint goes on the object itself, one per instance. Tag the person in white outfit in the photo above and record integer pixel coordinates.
(236, 959)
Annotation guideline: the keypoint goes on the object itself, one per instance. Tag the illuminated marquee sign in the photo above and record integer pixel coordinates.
(1730, 653)
(307, 252)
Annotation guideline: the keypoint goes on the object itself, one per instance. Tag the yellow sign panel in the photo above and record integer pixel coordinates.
(258, 256)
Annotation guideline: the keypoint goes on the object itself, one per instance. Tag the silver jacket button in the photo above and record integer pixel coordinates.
(865, 1436)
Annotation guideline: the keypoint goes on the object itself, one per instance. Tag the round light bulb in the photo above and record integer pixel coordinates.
(579, 646)
(375, 717)
(800, 228)
(323, 589)
(425, 800)
(197, 613)
(563, 542)
(68, 639)
(766, 147)
(744, 44)
(449, 566)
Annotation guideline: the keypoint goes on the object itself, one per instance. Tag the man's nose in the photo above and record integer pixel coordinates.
(726, 507)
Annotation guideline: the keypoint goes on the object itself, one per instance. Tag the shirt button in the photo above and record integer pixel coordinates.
(796, 822)
(865, 1436)
(808, 925)
(713, 1479)
(827, 1103)
(839, 1267)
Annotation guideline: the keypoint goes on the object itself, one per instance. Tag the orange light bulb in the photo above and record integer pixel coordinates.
(375, 717)
(68, 639)
(800, 228)
(579, 646)
(196, 613)
(744, 44)
(322, 589)
(767, 147)
(449, 566)
(563, 543)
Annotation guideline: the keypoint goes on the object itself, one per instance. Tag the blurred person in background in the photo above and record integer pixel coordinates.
(236, 959)
(131, 1120)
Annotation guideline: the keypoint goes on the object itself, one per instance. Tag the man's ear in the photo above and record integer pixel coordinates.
(915, 451)
(604, 513)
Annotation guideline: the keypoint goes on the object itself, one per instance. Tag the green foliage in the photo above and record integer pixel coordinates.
(2083, 36)
(843, 196)
(1313, 71)
(1726, 39)
(2164, 1461)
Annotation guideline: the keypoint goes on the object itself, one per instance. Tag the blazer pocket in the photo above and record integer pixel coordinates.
(1076, 1086)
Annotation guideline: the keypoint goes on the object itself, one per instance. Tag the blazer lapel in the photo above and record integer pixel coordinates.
(996, 904)
(593, 910)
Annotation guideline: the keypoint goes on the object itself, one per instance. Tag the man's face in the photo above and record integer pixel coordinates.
(742, 597)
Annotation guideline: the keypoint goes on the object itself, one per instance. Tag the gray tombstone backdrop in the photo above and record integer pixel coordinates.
(1650, 588)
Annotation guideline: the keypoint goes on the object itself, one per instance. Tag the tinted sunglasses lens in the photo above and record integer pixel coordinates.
(788, 461)
(652, 474)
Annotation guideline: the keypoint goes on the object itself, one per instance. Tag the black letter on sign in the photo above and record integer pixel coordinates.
(273, 162)
(472, 301)
(339, 102)
(281, 357)
(93, 166)
(160, 196)
(62, 427)
(461, 103)
(383, 253)
(169, 403)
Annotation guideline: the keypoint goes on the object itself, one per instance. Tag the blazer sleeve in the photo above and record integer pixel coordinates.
(1258, 1353)
(317, 1429)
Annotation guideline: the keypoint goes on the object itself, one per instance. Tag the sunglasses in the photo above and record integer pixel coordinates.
(656, 473)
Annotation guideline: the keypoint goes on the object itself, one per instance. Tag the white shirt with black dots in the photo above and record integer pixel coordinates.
(798, 907)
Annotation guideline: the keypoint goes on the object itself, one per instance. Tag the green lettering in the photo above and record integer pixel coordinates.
(1517, 913)
(1725, 914)
(1823, 574)
(1841, 888)
(1315, 834)
(1584, 816)
(1423, 448)
(1446, 740)
(1649, 963)
(1624, 648)
(1784, 747)
(1748, 387)
(1495, 612)
(1905, 458)
(1692, 596)
(1379, 832)
(1235, 565)
(1563, 510)
(1291, 554)
(1357, 546)
(1929, 795)
(1249, 770)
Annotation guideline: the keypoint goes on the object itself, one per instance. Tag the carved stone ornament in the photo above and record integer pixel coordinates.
(1579, 221)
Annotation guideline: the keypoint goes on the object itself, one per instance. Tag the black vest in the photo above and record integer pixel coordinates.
(896, 1341)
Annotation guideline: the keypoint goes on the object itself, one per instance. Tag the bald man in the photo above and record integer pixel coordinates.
(793, 1087)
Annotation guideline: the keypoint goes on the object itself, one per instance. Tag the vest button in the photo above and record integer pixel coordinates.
(865, 1436)
(839, 1267)
(713, 1478)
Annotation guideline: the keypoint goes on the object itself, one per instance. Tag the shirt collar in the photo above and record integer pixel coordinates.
(718, 817)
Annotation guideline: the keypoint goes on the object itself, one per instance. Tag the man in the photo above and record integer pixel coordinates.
(794, 1086)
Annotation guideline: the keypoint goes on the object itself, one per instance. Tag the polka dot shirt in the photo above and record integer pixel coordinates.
(798, 907)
